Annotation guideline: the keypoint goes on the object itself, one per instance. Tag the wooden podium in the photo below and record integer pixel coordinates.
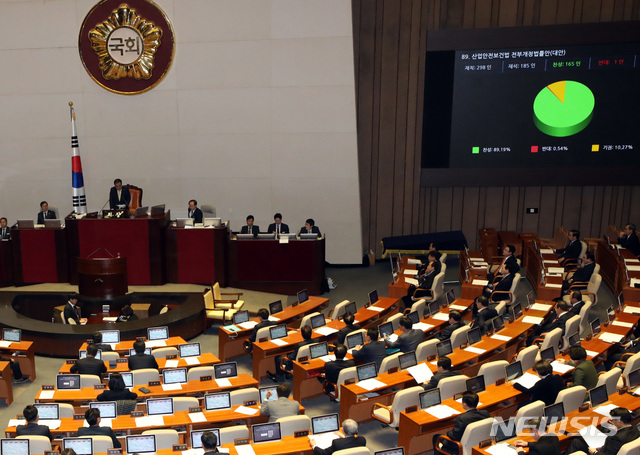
(104, 278)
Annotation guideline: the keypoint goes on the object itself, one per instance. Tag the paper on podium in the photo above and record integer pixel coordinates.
(609, 337)
(245, 449)
(622, 324)
(420, 372)
(370, 384)
(5, 344)
(480, 263)
(422, 326)
(279, 342)
(284, 239)
(502, 449)
(324, 440)
(248, 325)
(46, 394)
(223, 382)
(246, 410)
(479, 282)
(192, 360)
(375, 308)
(110, 318)
(197, 417)
(592, 436)
(532, 320)
(173, 363)
(540, 307)
(411, 281)
(561, 368)
(527, 380)
(441, 316)
(167, 387)
(326, 330)
(155, 343)
(441, 411)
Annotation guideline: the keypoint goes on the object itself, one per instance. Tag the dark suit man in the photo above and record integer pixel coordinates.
(461, 421)
(629, 239)
(71, 310)
(576, 303)
(306, 333)
(263, 314)
(92, 416)
(119, 195)
(625, 433)
(194, 212)
(544, 443)
(499, 291)
(455, 322)
(332, 369)
(484, 314)
(444, 371)
(141, 360)
(349, 327)
(425, 285)
(562, 313)
(547, 388)
(209, 442)
(508, 252)
(45, 213)
(373, 351)
(350, 440)
(582, 273)
(408, 340)
(278, 227)
(573, 248)
(5, 231)
(97, 341)
(90, 365)
(310, 228)
(30, 414)
(250, 228)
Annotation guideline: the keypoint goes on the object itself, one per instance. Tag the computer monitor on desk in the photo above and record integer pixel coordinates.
(434, 308)
(548, 354)
(476, 384)
(517, 310)
(444, 348)
(513, 371)
(407, 360)
(245, 236)
(414, 316)
(68, 382)
(430, 398)
(183, 222)
(307, 236)
(133, 351)
(81, 446)
(159, 406)
(196, 437)
(303, 296)
(240, 317)
(318, 350)
(325, 423)
(450, 296)
(277, 331)
(265, 390)
(350, 308)
(598, 395)
(14, 446)
(394, 451)
(385, 329)
(554, 412)
(267, 236)
(13, 335)
(215, 401)
(474, 336)
(356, 339)
(275, 307)
(141, 211)
(225, 370)
(318, 321)
(82, 354)
(158, 333)
(110, 336)
(143, 443)
(108, 409)
(498, 323)
(266, 432)
(373, 297)
(366, 371)
(25, 224)
(174, 376)
(157, 210)
(189, 350)
(48, 411)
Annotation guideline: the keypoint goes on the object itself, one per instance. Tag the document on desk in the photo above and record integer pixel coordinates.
(411, 281)
(414, 261)
(173, 363)
(559, 270)
(458, 307)
(532, 320)
(199, 451)
(273, 319)
(393, 337)
(622, 324)
(223, 382)
(592, 436)
(609, 337)
(502, 449)
(150, 421)
(546, 250)
(527, 380)
(245, 449)
(592, 353)
(561, 368)
(553, 285)
(441, 411)
(495, 336)
(155, 343)
(479, 282)
(540, 307)
(476, 259)
(110, 318)
(371, 384)
(325, 331)
(410, 272)
(475, 350)
(480, 263)
(328, 358)
(5, 344)
(631, 310)
(168, 387)
(248, 325)
(246, 410)
(16, 422)
(633, 268)
(375, 308)
(441, 316)
(324, 440)
(605, 409)
(279, 342)
(197, 417)
(46, 394)
(422, 326)
(192, 360)
(420, 372)
(54, 424)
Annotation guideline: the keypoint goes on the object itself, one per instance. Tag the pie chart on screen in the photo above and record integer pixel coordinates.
(563, 108)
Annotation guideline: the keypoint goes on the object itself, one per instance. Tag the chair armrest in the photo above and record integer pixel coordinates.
(333, 394)
(447, 438)
(233, 303)
(538, 341)
(388, 408)
(232, 293)
(626, 357)
(500, 293)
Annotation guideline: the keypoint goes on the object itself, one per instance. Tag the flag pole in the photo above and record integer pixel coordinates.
(77, 181)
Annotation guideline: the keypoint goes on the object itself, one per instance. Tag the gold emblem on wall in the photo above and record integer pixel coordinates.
(126, 48)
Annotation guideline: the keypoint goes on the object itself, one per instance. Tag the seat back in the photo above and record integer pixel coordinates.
(389, 362)
(306, 320)
(583, 250)
(89, 380)
(37, 444)
(110, 355)
(572, 398)
(184, 403)
(585, 327)
(290, 424)
(144, 375)
(66, 410)
(459, 336)
(474, 433)
(195, 373)
(501, 307)
(136, 198)
(610, 379)
(238, 397)
(492, 371)
(229, 434)
(125, 407)
(418, 306)
(596, 268)
(162, 353)
(437, 286)
(100, 443)
(165, 438)
(594, 284)
(217, 295)
(527, 357)
(630, 448)
(572, 326)
(530, 411)
(344, 375)
(353, 451)
(552, 339)
(443, 258)
(338, 310)
(450, 386)
(402, 400)
(263, 332)
(303, 351)
(426, 349)
(395, 320)
(514, 285)
(208, 300)
(208, 210)
(633, 363)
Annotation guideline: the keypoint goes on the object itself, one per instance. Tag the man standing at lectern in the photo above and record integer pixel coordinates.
(195, 212)
(119, 196)
(45, 213)
(278, 227)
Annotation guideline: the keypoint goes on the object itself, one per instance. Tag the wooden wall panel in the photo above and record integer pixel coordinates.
(389, 51)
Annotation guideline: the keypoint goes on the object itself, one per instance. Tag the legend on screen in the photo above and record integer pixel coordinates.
(475, 150)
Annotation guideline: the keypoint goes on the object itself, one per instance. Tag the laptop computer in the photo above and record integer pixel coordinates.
(196, 437)
(309, 236)
(141, 211)
(430, 398)
(26, 224)
(498, 323)
(554, 412)
(133, 351)
(240, 317)
(394, 451)
(434, 308)
(366, 371)
(157, 333)
(275, 307)
(215, 222)
(182, 222)
(476, 384)
(81, 446)
(634, 379)
(598, 395)
(350, 308)
(385, 329)
(48, 411)
(68, 382)
(110, 336)
(325, 423)
(265, 432)
(516, 310)
(513, 371)
(474, 335)
(14, 446)
(303, 296)
(189, 350)
(574, 339)
(407, 360)
(13, 335)
(595, 327)
(225, 370)
(318, 321)
(157, 210)
(159, 406)
(504, 430)
(143, 443)
(263, 393)
(108, 409)
(277, 331)
(414, 316)
(548, 354)
(214, 401)
(318, 350)
(353, 340)
(373, 297)
(245, 236)
(444, 348)
(174, 376)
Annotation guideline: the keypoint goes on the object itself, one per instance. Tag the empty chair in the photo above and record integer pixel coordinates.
(290, 424)
(100, 443)
(109, 355)
(527, 357)
(632, 363)
(418, 306)
(395, 320)
(66, 410)
(184, 403)
(610, 378)
(125, 407)
(238, 397)
(530, 411)
(450, 386)
(345, 375)
(492, 371)
(552, 339)
(145, 375)
(219, 308)
(89, 380)
(229, 434)
(390, 415)
(572, 326)
(262, 333)
(501, 307)
(473, 435)
(426, 349)
(389, 362)
(338, 311)
(353, 451)
(38, 444)
(590, 294)
(459, 336)
(572, 398)
(165, 438)
(585, 327)
(195, 373)
(162, 353)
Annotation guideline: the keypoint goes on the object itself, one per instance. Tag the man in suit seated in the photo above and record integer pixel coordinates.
(209, 442)
(585, 373)
(546, 389)
(97, 341)
(194, 212)
(630, 347)
(282, 407)
(141, 360)
(629, 239)
(562, 315)
(333, 368)
(119, 196)
(508, 253)
(484, 315)
(349, 327)
(408, 340)
(575, 303)
(45, 213)
(350, 440)
(5, 231)
(92, 416)
(72, 311)
(455, 322)
(573, 248)
(310, 228)
(544, 443)
(460, 423)
(444, 371)
(582, 274)
(625, 432)
(250, 228)
(278, 227)
(306, 333)
(425, 285)
(499, 291)
(372, 351)
(263, 314)
(30, 414)
(90, 365)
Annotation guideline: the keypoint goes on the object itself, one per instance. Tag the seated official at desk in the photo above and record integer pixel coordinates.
(278, 227)
(209, 442)
(582, 274)
(90, 365)
(349, 327)
(562, 313)
(333, 368)
(585, 373)
(544, 443)
(5, 231)
(194, 212)
(127, 314)
(72, 311)
(630, 347)
(306, 331)
(282, 407)
(45, 213)
(408, 340)
(350, 440)
(460, 422)
(455, 322)
(444, 371)
(499, 291)
(572, 249)
(97, 342)
(32, 428)
(508, 253)
(433, 255)
(263, 314)
(119, 196)
(117, 390)
(373, 350)
(425, 283)
(141, 360)
(92, 416)
(625, 432)
(484, 314)
(310, 228)
(250, 228)
(546, 389)
(629, 239)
